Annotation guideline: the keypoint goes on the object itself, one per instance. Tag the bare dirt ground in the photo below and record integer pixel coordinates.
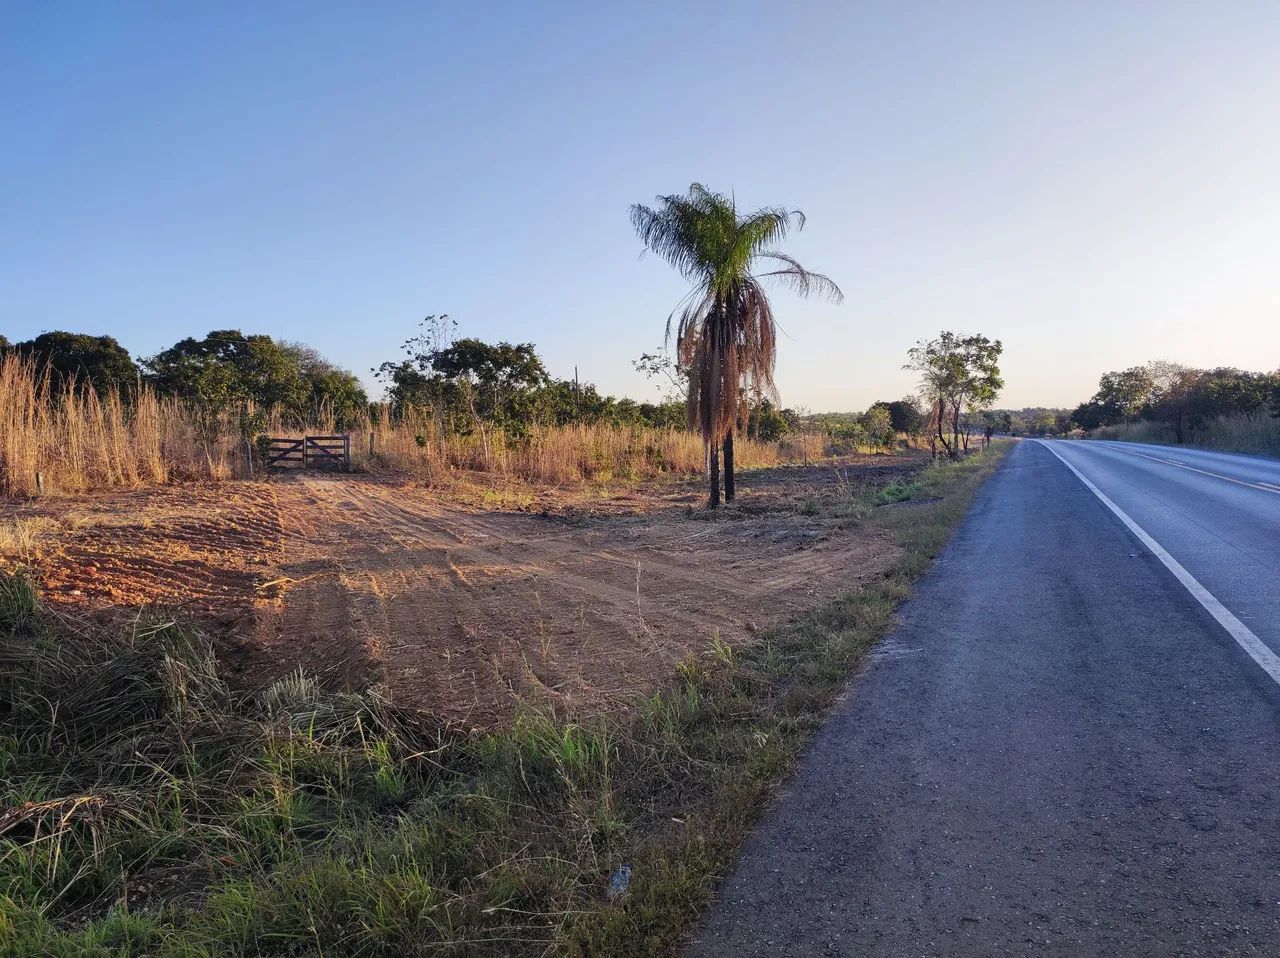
(575, 601)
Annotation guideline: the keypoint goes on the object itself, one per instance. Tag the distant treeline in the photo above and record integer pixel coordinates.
(1031, 421)
(465, 381)
(1179, 398)
(224, 370)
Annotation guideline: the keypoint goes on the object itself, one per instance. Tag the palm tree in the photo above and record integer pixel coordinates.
(726, 338)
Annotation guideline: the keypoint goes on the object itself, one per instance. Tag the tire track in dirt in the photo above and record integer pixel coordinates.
(467, 613)
(474, 615)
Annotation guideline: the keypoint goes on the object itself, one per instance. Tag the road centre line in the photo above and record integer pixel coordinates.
(1243, 635)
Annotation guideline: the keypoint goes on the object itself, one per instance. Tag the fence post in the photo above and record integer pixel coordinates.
(248, 457)
(346, 451)
(39, 483)
(370, 445)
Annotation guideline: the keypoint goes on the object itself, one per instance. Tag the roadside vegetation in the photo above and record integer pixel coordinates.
(60, 434)
(151, 810)
(1161, 402)
(1031, 421)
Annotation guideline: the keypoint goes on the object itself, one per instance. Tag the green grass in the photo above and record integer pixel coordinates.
(153, 812)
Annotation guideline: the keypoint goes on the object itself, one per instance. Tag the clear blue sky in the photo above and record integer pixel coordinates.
(1095, 184)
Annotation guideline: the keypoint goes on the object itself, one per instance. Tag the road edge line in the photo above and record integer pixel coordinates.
(1244, 636)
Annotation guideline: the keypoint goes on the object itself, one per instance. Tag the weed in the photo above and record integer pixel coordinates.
(18, 598)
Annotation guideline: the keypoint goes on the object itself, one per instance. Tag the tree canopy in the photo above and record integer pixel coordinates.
(906, 416)
(99, 361)
(957, 374)
(227, 367)
(470, 383)
(1178, 396)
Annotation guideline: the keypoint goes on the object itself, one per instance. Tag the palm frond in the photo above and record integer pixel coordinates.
(803, 281)
(725, 330)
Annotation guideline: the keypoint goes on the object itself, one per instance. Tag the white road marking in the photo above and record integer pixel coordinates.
(1243, 635)
(1264, 486)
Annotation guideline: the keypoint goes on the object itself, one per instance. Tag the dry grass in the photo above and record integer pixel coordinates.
(1258, 434)
(415, 444)
(20, 536)
(75, 440)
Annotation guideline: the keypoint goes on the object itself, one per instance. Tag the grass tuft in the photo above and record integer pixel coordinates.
(18, 598)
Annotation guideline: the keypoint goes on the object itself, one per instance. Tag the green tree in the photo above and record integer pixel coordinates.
(906, 415)
(1173, 398)
(877, 426)
(468, 379)
(227, 368)
(957, 374)
(326, 387)
(98, 360)
(1226, 392)
(1123, 395)
(767, 423)
(1089, 415)
(726, 338)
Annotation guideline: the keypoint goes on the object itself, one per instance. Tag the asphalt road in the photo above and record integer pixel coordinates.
(1061, 750)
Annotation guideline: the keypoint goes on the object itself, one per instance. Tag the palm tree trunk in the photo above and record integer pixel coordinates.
(728, 467)
(713, 470)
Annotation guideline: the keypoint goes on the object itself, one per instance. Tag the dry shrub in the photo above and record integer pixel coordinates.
(416, 444)
(20, 536)
(77, 439)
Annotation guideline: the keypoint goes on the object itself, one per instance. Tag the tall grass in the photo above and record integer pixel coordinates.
(71, 438)
(1258, 434)
(415, 443)
(76, 439)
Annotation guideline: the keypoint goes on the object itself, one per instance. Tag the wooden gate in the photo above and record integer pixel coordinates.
(327, 452)
(309, 452)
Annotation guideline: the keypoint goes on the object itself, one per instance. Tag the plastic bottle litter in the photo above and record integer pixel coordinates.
(619, 882)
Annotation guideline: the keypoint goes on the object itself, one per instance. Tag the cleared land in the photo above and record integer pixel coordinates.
(467, 601)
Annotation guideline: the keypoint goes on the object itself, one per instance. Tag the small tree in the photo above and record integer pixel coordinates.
(906, 415)
(956, 373)
(877, 427)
